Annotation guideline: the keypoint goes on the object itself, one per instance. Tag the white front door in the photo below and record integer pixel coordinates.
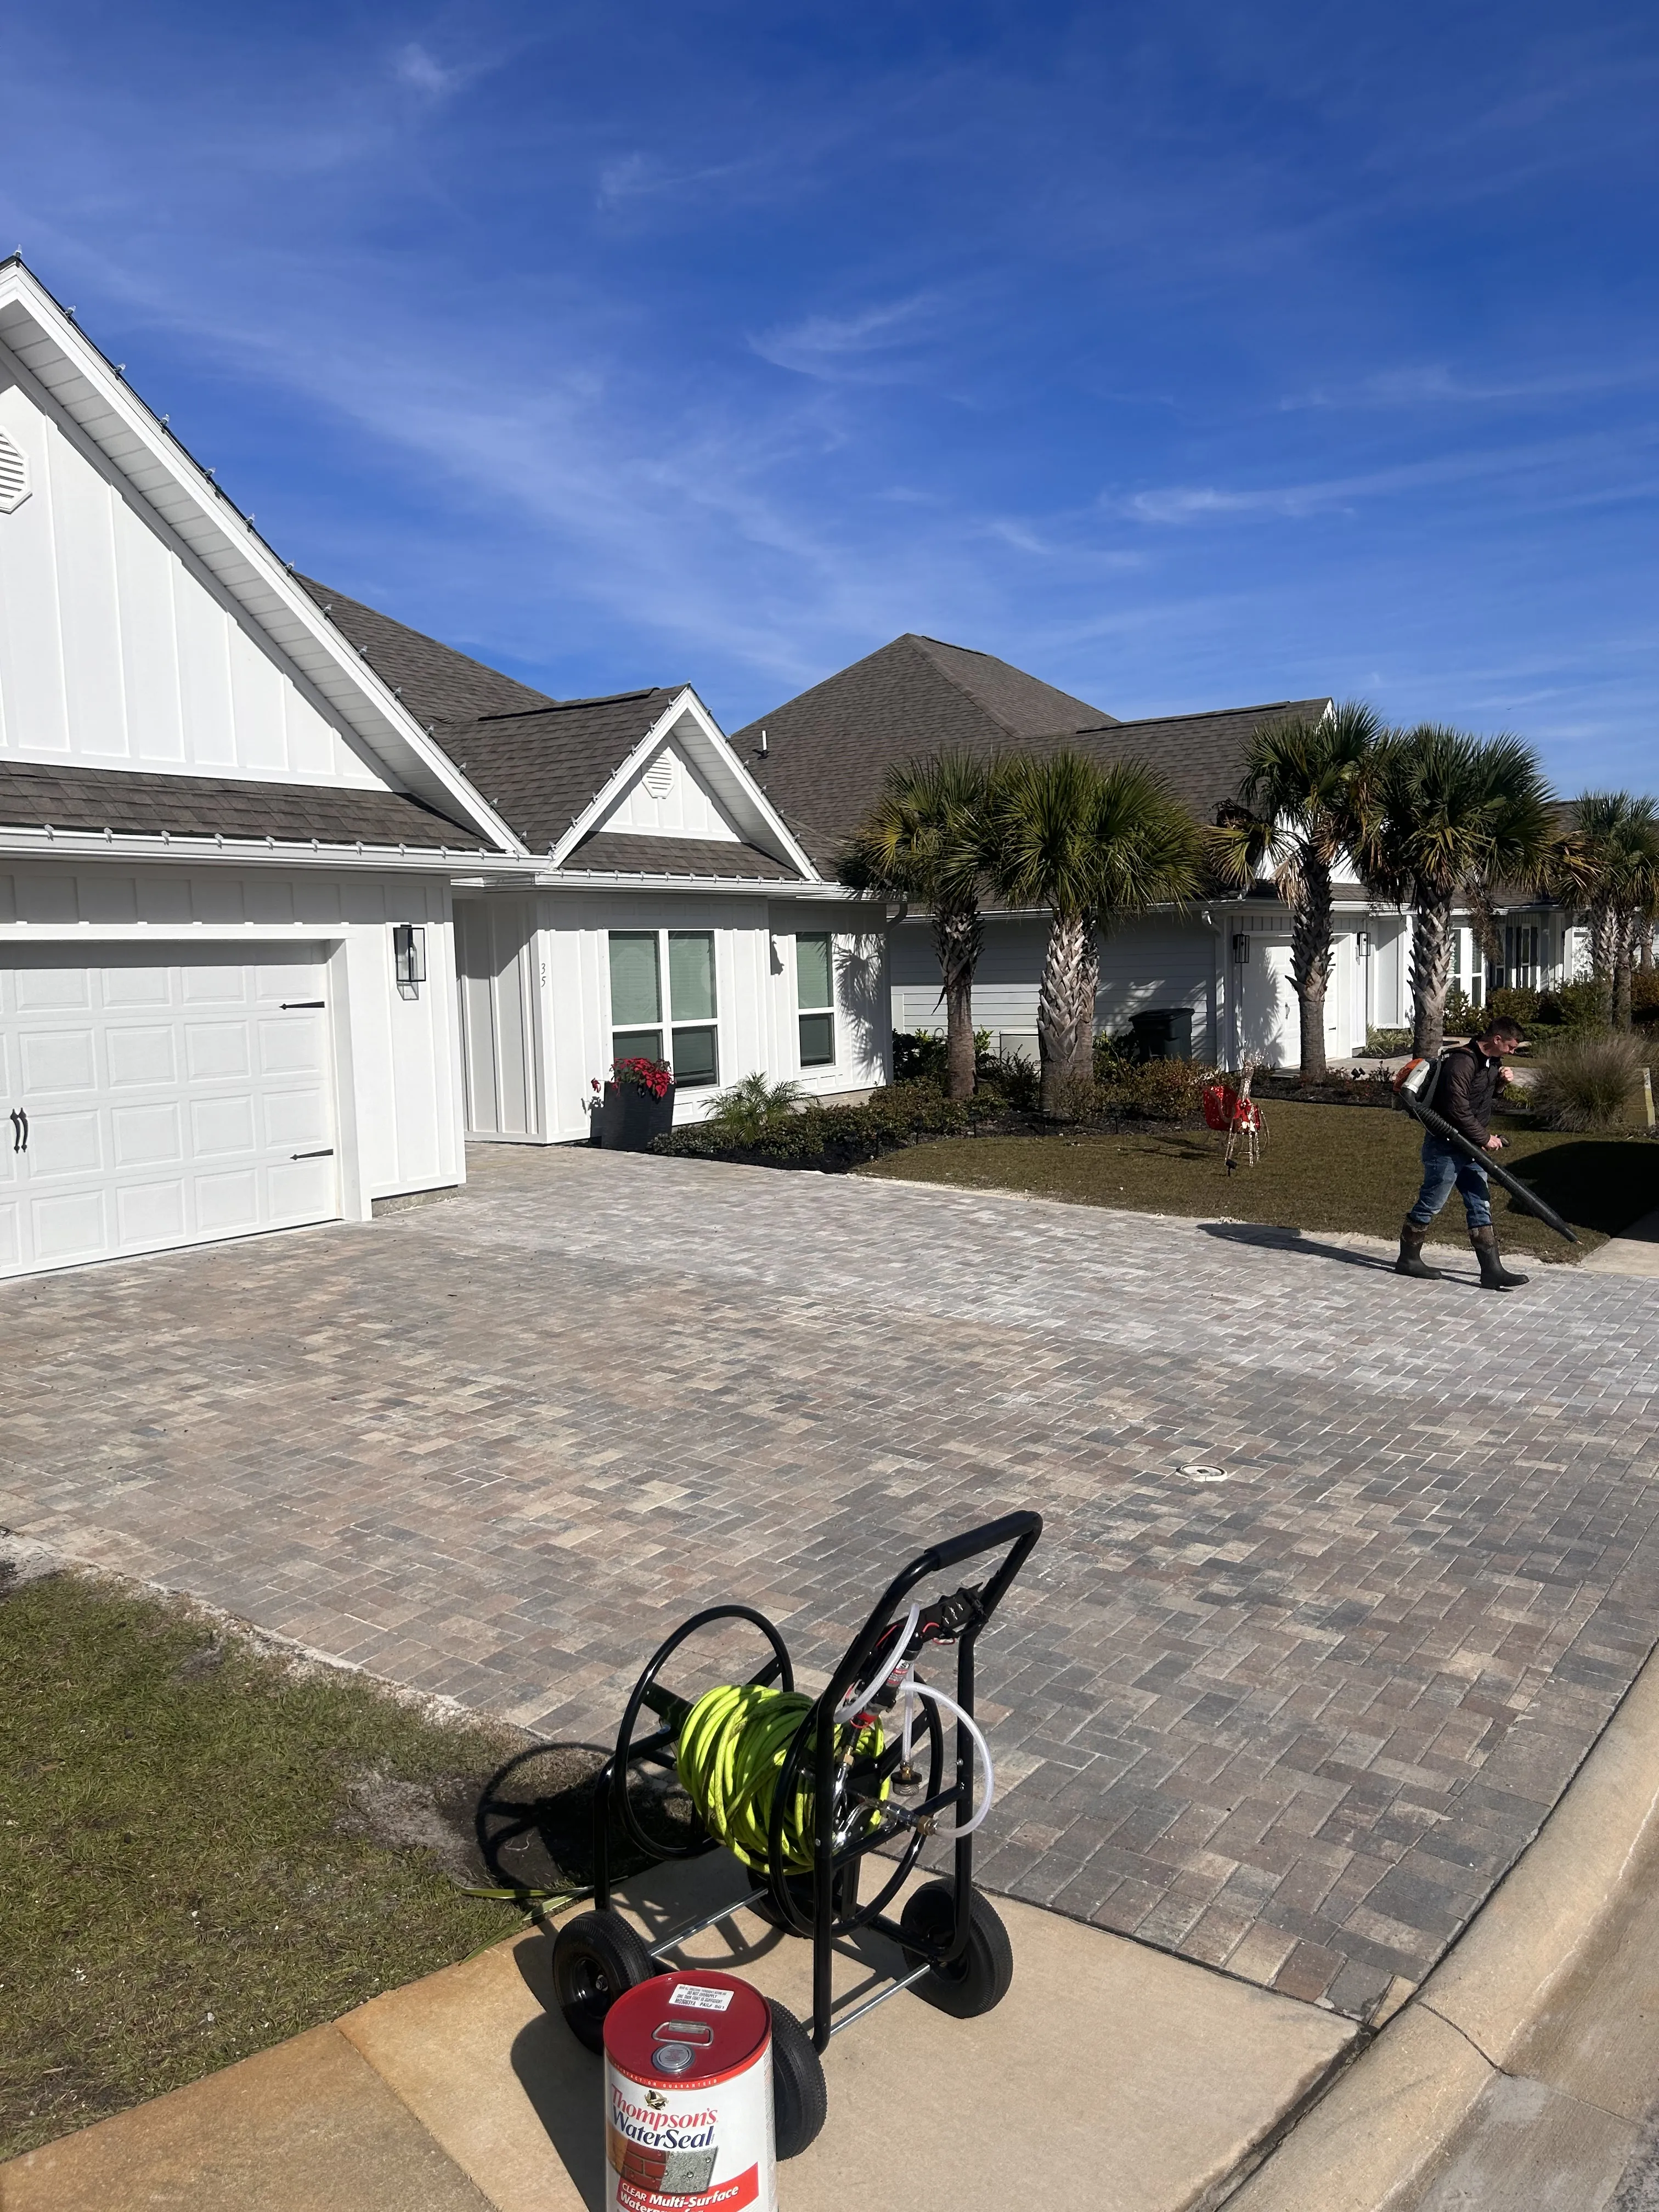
(144, 1105)
(1268, 1014)
(493, 953)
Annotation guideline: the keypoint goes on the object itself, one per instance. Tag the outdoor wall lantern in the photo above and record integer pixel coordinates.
(409, 957)
(1241, 949)
(1362, 943)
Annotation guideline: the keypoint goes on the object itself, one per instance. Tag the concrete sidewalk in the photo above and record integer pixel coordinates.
(1112, 2078)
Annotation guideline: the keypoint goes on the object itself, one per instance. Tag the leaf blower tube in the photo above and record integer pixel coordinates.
(1513, 1184)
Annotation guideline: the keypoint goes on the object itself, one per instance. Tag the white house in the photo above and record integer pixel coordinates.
(293, 900)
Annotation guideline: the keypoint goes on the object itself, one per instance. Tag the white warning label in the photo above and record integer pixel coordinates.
(692, 1996)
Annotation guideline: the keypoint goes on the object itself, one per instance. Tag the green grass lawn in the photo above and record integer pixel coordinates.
(204, 1850)
(1322, 1167)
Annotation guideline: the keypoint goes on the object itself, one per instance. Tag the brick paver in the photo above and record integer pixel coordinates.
(1295, 1724)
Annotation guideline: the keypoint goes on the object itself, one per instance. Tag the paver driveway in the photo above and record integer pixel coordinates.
(1296, 1724)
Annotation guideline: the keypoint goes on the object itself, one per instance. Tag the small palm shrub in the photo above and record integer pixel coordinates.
(1383, 1044)
(1584, 1081)
(750, 1108)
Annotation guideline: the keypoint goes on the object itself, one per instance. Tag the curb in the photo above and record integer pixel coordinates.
(1390, 2115)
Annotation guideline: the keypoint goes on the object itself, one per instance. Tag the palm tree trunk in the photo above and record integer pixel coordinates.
(1621, 972)
(1310, 964)
(956, 941)
(1064, 969)
(1430, 971)
(1604, 958)
(1088, 990)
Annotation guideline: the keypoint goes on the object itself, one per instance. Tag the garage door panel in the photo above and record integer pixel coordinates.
(291, 1046)
(137, 986)
(57, 1059)
(139, 1055)
(226, 1204)
(144, 1136)
(11, 1234)
(218, 1052)
(150, 1213)
(73, 1227)
(211, 985)
(222, 1127)
(302, 1189)
(295, 1117)
(45, 987)
(65, 1144)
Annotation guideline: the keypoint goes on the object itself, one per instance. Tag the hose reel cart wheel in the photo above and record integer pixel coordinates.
(596, 1957)
(800, 2099)
(981, 1978)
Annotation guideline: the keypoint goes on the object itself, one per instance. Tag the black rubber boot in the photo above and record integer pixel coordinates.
(1411, 1261)
(1494, 1275)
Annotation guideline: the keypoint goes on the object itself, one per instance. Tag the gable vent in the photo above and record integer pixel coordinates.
(659, 778)
(13, 475)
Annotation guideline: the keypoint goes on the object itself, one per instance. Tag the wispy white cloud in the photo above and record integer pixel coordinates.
(1434, 385)
(862, 346)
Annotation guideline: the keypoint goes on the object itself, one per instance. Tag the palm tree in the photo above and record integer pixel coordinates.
(1450, 816)
(1304, 801)
(1092, 844)
(924, 843)
(1609, 862)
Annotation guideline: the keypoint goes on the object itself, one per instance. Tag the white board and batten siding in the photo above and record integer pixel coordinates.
(117, 648)
(669, 798)
(162, 1033)
(538, 998)
(1146, 964)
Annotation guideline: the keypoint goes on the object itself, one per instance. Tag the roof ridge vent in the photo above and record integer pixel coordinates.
(14, 474)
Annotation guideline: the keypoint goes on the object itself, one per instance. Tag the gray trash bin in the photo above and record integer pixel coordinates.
(1162, 1033)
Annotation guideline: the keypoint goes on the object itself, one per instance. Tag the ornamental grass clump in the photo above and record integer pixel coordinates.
(1586, 1081)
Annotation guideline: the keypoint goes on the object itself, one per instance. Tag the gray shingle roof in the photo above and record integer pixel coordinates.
(1202, 756)
(540, 768)
(830, 748)
(438, 683)
(625, 852)
(135, 804)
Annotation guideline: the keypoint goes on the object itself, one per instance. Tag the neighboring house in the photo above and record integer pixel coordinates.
(238, 846)
(822, 756)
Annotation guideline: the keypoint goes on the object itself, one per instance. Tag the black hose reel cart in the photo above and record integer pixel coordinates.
(802, 1794)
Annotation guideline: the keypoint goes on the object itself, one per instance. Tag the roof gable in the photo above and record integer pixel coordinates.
(283, 632)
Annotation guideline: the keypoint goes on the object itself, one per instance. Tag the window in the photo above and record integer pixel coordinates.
(636, 1009)
(815, 1000)
(695, 1055)
(635, 995)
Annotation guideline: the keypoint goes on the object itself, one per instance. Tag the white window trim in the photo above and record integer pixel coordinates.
(818, 1066)
(666, 1023)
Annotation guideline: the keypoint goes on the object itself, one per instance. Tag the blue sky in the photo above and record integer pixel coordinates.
(1186, 355)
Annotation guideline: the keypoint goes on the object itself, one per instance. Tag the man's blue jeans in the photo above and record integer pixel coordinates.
(1443, 1164)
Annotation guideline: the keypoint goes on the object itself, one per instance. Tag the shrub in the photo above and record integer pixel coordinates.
(1520, 1005)
(1576, 1006)
(1645, 993)
(1381, 1044)
(919, 1056)
(1152, 1090)
(1584, 1081)
(751, 1107)
(1462, 1016)
(835, 1136)
(1015, 1082)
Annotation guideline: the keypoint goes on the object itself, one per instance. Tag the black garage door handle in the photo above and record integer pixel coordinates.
(300, 1006)
(327, 1153)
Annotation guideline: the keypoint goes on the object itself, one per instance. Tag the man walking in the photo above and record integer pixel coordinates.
(1463, 1095)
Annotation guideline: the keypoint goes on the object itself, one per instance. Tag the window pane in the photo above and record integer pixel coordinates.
(812, 972)
(818, 1040)
(633, 976)
(695, 1058)
(690, 975)
(636, 1044)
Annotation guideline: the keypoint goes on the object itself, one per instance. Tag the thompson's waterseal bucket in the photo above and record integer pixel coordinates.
(688, 2097)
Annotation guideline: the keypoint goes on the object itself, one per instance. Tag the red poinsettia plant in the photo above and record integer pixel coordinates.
(653, 1075)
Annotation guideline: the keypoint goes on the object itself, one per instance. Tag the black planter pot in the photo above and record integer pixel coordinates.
(629, 1117)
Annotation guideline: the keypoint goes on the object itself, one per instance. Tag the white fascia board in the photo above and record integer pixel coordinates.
(247, 852)
(76, 377)
(785, 887)
(731, 782)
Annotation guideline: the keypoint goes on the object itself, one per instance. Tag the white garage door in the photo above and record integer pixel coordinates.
(149, 1106)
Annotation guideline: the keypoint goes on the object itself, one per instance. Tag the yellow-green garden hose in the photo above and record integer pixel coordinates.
(732, 1747)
